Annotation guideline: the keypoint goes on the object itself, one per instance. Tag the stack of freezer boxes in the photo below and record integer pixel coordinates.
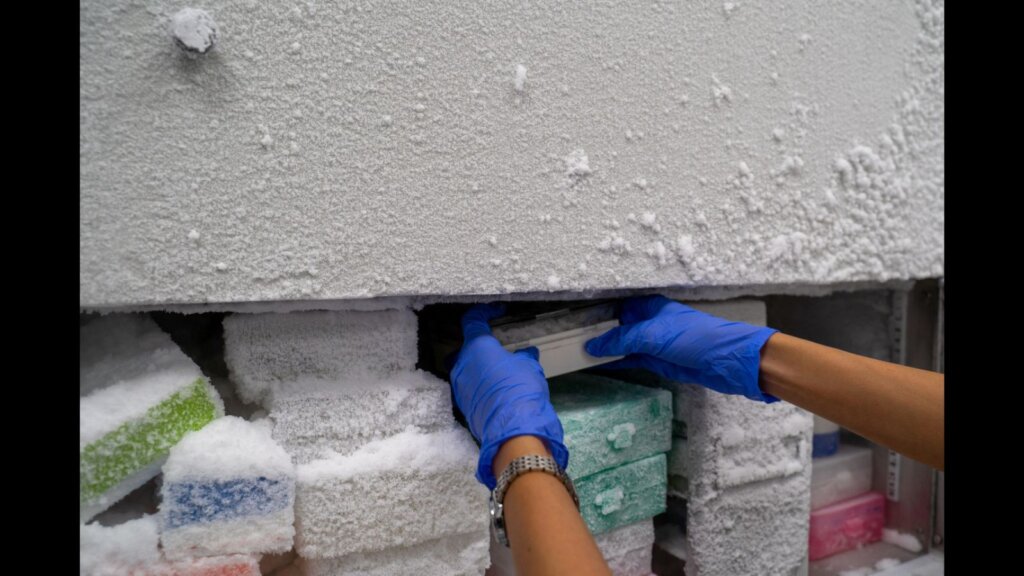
(845, 514)
(617, 435)
(227, 489)
(384, 475)
(355, 458)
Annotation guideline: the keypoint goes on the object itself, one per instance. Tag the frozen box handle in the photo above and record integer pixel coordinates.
(610, 500)
(621, 436)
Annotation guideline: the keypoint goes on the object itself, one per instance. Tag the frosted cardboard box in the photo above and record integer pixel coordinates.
(139, 394)
(841, 476)
(457, 555)
(628, 549)
(315, 419)
(608, 422)
(846, 525)
(559, 334)
(263, 349)
(132, 549)
(379, 496)
(623, 495)
(227, 489)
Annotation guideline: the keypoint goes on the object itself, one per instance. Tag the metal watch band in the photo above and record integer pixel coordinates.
(516, 468)
(529, 463)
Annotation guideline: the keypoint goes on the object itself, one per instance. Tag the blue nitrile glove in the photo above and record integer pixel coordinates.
(502, 394)
(685, 345)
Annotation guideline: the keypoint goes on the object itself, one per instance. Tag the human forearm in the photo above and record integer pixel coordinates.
(896, 406)
(545, 531)
(899, 407)
(505, 399)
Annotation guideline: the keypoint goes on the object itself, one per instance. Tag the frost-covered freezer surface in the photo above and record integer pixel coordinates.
(355, 150)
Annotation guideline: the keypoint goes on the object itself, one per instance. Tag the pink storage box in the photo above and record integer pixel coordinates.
(847, 524)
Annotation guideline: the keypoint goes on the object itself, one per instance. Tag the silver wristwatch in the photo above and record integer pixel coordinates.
(514, 469)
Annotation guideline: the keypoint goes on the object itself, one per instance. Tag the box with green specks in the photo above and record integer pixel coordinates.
(608, 422)
(623, 495)
(138, 396)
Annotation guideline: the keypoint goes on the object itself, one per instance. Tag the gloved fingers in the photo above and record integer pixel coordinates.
(627, 339)
(534, 355)
(680, 374)
(477, 356)
(475, 322)
(531, 352)
(640, 308)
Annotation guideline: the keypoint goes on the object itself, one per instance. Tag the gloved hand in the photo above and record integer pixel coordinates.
(685, 345)
(502, 394)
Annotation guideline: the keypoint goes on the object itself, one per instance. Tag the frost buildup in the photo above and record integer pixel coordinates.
(194, 30)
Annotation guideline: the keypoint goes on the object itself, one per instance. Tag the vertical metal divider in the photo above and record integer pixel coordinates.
(911, 486)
